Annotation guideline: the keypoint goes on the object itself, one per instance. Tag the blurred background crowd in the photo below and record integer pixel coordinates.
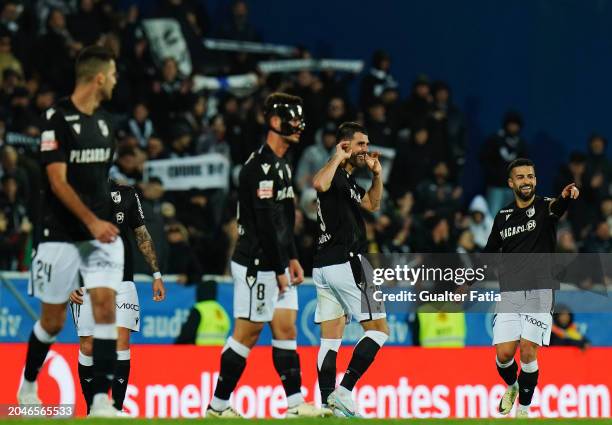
(164, 112)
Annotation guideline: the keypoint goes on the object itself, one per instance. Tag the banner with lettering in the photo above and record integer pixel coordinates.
(169, 381)
(209, 171)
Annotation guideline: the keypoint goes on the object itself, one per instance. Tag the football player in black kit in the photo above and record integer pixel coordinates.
(129, 217)
(76, 235)
(523, 317)
(337, 271)
(265, 261)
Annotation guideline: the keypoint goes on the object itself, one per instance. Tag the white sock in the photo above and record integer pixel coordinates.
(295, 400)
(218, 404)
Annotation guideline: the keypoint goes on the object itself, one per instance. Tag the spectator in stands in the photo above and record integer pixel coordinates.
(418, 106)
(196, 115)
(380, 132)
(565, 332)
(11, 244)
(239, 27)
(598, 168)
(56, 51)
(377, 81)
(413, 162)
(480, 221)
(24, 117)
(605, 211)
(140, 124)
(7, 58)
(127, 168)
(13, 207)
(466, 243)
(181, 257)
(213, 139)
(88, 23)
(316, 156)
(168, 95)
(448, 127)
(437, 196)
(438, 239)
(566, 244)
(600, 240)
(181, 141)
(156, 148)
(9, 166)
(208, 323)
(499, 150)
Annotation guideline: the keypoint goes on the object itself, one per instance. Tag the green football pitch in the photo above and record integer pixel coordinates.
(331, 421)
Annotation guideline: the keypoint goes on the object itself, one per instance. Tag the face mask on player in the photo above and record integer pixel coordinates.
(288, 112)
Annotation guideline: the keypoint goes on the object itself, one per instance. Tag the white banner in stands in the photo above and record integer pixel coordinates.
(210, 171)
(295, 65)
(166, 40)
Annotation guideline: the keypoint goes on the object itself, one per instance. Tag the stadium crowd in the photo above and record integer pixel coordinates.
(160, 113)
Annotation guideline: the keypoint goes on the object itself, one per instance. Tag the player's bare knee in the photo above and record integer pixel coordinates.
(529, 351)
(123, 339)
(53, 324)
(379, 325)
(86, 345)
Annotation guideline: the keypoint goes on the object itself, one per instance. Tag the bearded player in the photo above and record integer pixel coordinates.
(526, 229)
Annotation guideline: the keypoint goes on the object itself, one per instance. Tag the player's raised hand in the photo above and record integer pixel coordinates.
(76, 296)
(570, 191)
(159, 290)
(103, 231)
(373, 163)
(343, 151)
(296, 272)
(282, 282)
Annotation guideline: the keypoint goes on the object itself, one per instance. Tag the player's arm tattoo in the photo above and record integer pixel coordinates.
(146, 247)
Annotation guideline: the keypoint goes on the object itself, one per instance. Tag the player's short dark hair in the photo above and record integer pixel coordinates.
(279, 98)
(91, 61)
(520, 162)
(347, 131)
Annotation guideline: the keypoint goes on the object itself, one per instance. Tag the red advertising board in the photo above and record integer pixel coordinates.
(177, 381)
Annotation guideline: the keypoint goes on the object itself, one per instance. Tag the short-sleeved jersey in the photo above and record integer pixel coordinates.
(266, 212)
(85, 143)
(341, 225)
(528, 235)
(128, 216)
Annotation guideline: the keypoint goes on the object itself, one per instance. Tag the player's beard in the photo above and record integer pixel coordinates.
(525, 196)
(357, 160)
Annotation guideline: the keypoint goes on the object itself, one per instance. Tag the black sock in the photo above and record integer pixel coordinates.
(527, 383)
(120, 383)
(363, 356)
(104, 358)
(232, 366)
(87, 384)
(287, 365)
(327, 375)
(508, 374)
(37, 352)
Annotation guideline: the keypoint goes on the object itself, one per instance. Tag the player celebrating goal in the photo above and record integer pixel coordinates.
(523, 317)
(77, 236)
(129, 217)
(264, 259)
(337, 271)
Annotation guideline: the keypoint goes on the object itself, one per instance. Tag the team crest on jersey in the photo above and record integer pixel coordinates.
(77, 128)
(265, 168)
(531, 211)
(103, 128)
(116, 197)
(119, 216)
